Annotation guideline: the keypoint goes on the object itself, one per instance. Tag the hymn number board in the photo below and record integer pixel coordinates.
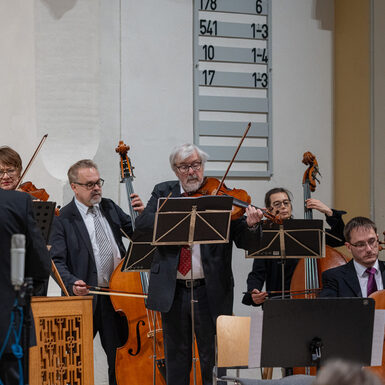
(232, 84)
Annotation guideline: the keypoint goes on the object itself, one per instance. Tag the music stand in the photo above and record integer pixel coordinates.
(327, 328)
(295, 238)
(189, 221)
(44, 213)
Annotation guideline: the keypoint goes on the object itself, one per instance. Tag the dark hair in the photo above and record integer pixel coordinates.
(276, 190)
(10, 157)
(73, 171)
(358, 222)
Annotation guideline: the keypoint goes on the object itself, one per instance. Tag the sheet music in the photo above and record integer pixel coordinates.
(378, 337)
(255, 346)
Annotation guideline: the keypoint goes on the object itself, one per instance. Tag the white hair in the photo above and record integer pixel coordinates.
(182, 152)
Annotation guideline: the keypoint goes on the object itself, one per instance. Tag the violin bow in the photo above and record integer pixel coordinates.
(58, 278)
(40, 145)
(232, 160)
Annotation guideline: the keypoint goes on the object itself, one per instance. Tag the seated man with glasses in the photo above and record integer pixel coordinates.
(87, 245)
(10, 168)
(364, 274)
(211, 274)
(278, 201)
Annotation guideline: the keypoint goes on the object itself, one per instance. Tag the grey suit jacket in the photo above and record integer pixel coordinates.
(216, 260)
(342, 281)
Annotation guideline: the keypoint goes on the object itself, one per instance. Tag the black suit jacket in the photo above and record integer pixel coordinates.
(16, 217)
(71, 245)
(342, 281)
(216, 260)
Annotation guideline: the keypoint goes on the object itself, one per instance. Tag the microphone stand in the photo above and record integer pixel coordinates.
(25, 295)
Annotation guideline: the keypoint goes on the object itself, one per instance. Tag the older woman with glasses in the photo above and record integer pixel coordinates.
(278, 201)
(10, 168)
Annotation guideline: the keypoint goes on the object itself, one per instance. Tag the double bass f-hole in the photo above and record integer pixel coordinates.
(138, 348)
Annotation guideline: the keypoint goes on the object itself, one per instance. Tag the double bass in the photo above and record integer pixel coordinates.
(307, 274)
(140, 360)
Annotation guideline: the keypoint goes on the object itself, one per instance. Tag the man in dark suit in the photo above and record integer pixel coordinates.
(170, 280)
(278, 201)
(16, 217)
(364, 274)
(87, 245)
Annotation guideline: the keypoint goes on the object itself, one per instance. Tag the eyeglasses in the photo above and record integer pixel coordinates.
(91, 185)
(9, 172)
(372, 242)
(184, 168)
(278, 204)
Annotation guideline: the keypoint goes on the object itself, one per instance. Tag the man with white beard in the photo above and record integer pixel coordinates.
(213, 281)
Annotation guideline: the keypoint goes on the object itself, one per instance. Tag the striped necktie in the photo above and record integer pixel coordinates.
(105, 249)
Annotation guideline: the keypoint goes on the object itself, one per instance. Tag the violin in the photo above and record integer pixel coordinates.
(241, 199)
(31, 189)
(28, 187)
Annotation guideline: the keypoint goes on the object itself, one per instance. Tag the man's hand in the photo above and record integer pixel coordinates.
(137, 203)
(258, 297)
(79, 288)
(254, 216)
(318, 205)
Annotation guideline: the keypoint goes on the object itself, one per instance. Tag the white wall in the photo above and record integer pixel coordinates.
(92, 72)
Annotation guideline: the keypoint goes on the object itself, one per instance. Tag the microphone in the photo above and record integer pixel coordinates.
(17, 260)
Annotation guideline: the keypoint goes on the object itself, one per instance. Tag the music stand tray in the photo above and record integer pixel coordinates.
(342, 326)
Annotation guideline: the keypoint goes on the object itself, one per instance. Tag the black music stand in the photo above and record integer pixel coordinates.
(189, 221)
(295, 238)
(326, 328)
(44, 213)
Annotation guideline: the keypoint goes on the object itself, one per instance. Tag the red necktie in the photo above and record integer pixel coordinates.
(184, 260)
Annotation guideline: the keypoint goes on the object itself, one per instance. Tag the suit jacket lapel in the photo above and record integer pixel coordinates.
(81, 227)
(176, 190)
(382, 269)
(351, 279)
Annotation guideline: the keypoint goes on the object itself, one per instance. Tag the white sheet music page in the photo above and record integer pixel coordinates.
(255, 345)
(378, 337)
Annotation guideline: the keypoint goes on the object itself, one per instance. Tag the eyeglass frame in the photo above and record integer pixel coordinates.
(372, 242)
(91, 185)
(285, 202)
(10, 172)
(197, 167)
